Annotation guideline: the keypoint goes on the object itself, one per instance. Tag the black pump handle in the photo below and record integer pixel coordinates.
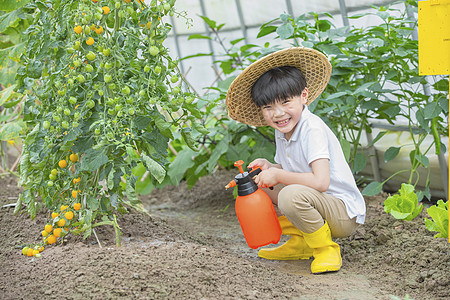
(254, 173)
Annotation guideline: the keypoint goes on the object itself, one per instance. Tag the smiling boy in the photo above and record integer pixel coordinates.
(314, 188)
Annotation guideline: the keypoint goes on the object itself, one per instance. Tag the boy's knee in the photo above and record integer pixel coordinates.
(292, 197)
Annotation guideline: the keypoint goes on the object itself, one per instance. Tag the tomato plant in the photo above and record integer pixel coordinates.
(102, 101)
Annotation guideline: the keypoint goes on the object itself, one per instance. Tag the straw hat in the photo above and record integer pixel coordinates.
(314, 65)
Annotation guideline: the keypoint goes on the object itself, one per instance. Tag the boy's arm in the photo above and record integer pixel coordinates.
(318, 179)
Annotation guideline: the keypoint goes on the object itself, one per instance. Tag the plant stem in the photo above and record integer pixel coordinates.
(116, 21)
(118, 233)
(96, 237)
(396, 173)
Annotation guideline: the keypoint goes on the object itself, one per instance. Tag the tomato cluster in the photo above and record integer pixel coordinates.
(59, 228)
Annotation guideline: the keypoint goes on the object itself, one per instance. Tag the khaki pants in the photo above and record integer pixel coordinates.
(307, 208)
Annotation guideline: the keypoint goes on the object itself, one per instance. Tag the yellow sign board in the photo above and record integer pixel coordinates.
(434, 37)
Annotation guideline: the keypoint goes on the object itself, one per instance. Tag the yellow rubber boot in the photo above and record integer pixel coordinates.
(327, 254)
(295, 248)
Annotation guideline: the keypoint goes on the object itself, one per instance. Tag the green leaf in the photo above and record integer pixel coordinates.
(234, 42)
(209, 22)
(391, 153)
(225, 84)
(392, 111)
(377, 42)
(357, 16)
(182, 162)
(35, 68)
(93, 160)
(93, 203)
(197, 55)
(200, 128)
(335, 95)
(11, 130)
(154, 141)
(24, 166)
(12, 53)
(187, 137)
(383, 14)
(8, 73)
(443, 103)
(285, 31)
(130, 189)
(265, 30)
(399, 215)
(284, 17)
(199, 36)
(307, 44)
(330, 49)
(346, 148)
(83, 144)
(110, 180)
(359, 162)
(372, 189)
(441, 85)
(219, 150)
(364, 87)
(412, 156)
(227, 66)
(415, 213)
(10, 5)
(11, 103)
(370, 104)
(431, 110)
(237, 152)
(18, 206)
(157, 171)
(439, 222)
(7, 94)
(247, 47)
(415, 79)
(424, 161)
(164, 126)
(323, 25)
(8, 20)
(144, 185)
(141, 122)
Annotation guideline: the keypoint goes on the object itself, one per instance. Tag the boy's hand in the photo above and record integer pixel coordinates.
(262, 163)
(267, 178)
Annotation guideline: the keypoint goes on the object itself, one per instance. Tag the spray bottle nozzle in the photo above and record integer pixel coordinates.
(239, 164)
(232, 183)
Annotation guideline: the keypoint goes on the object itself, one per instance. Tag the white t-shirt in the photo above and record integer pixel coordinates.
(313, 139)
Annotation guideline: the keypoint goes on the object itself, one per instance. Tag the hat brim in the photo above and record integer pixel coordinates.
(313, 64)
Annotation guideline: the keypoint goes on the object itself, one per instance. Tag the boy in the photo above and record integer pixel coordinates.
(314, 188)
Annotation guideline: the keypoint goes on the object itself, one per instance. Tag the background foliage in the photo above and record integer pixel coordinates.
(375, 76)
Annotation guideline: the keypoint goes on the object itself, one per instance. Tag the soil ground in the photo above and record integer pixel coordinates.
(191, 247)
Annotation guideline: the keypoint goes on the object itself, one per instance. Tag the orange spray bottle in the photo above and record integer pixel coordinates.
(254, 209)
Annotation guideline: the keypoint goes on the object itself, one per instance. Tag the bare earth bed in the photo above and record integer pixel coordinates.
(192, 247)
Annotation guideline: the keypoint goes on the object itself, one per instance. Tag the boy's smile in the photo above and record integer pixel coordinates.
(285, 114)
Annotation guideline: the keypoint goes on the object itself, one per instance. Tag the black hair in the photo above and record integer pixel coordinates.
(278, 84)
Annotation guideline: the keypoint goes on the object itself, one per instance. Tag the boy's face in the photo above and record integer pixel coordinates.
(284, 115)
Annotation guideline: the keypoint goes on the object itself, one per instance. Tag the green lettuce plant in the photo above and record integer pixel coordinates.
(439, 222)
(403, 206)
